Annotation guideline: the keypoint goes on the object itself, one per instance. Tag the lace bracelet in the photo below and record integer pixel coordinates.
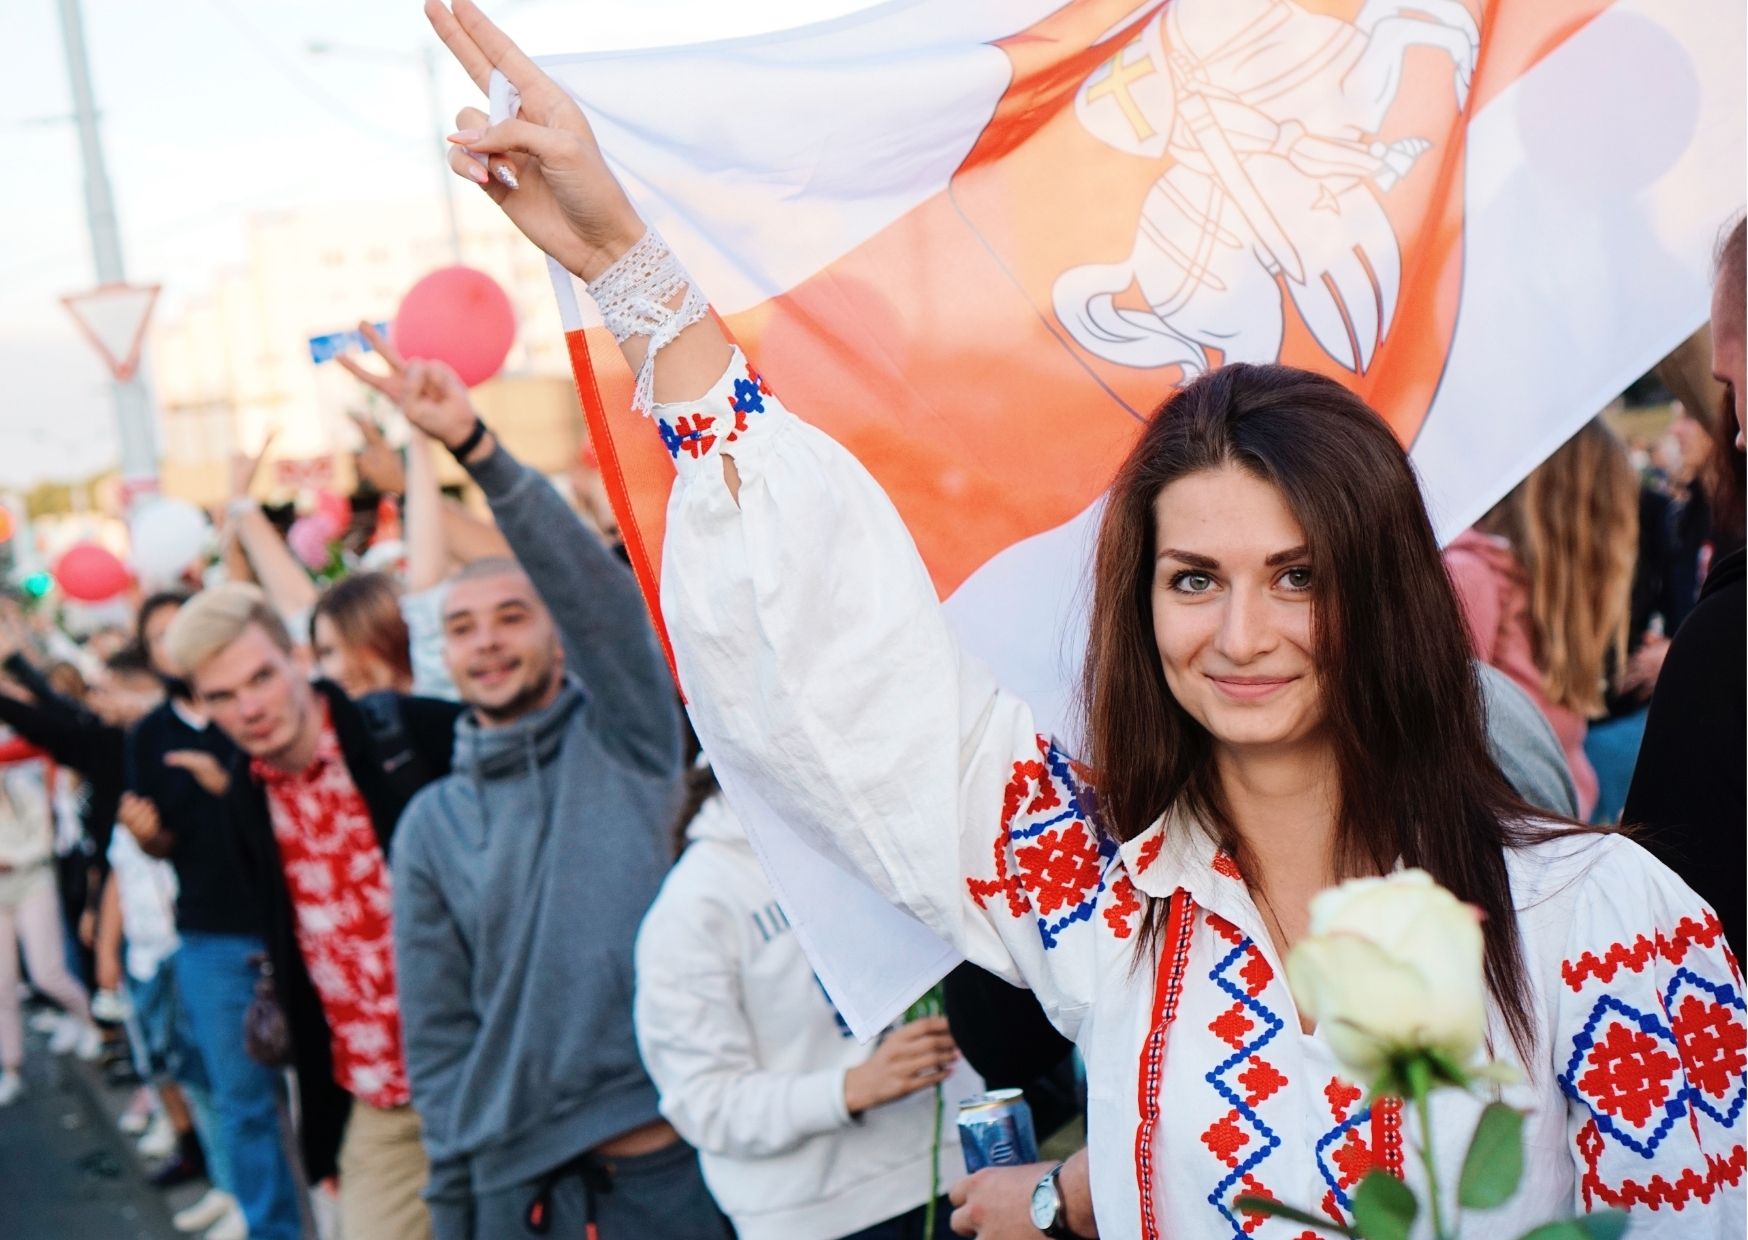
(633, 296)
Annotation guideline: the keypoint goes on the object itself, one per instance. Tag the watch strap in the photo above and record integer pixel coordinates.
(1058, 1228)
(464, 449)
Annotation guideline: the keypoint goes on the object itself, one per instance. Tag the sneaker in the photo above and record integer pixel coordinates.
(11, 1086)
(138, 1117)
(159, 1140)
(88, 1044)
(46, 1021)
(207, 1212)
(232, 1226)
(66, 1035)
(109, 1007)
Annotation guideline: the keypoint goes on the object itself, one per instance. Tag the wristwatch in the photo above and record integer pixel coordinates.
(1048, 1216)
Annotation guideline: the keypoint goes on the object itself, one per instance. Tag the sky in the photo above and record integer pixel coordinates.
(213, 110)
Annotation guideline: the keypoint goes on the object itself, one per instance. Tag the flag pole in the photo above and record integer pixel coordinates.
(133, 398)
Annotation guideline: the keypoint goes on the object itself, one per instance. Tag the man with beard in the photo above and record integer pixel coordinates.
(520, 881)
(314, 797)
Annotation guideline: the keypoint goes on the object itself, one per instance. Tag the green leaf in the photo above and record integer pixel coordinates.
(1603, 1225)
(1269, 1206)
(1384, 1207)
(1494, 1164)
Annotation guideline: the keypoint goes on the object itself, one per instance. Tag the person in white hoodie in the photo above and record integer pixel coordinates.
(802, 1133)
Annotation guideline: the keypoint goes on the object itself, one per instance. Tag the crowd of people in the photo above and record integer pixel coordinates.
(428, 866)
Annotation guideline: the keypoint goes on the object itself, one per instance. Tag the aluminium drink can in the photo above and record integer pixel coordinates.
(995, 1130)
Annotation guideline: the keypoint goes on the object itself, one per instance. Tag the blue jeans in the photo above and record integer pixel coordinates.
(164, 1050)
(215, 983)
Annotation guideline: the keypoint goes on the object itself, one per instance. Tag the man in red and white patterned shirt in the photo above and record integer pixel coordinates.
(340, 898)
(316, 807)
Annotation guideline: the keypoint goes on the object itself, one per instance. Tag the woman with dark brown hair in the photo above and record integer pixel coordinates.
(1279, 696)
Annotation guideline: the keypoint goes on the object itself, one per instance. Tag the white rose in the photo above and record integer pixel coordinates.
(1392, 964)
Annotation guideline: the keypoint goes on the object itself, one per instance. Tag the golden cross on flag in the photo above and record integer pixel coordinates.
(1115, 84)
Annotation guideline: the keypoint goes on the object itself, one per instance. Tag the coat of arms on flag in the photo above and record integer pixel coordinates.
(979, 241)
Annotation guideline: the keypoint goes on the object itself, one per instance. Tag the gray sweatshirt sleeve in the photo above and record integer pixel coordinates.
(438, 1024)
(609, 643)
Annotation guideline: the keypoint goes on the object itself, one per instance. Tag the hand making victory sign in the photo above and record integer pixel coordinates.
(547, 173)
(429, 393)
(558, 189)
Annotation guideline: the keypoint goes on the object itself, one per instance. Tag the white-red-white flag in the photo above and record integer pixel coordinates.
(979, 241)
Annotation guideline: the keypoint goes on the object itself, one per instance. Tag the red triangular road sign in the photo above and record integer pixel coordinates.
(113, 318)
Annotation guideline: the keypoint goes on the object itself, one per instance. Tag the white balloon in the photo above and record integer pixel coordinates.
(168, 536)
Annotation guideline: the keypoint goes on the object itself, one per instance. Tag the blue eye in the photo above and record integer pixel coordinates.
(1192, 582)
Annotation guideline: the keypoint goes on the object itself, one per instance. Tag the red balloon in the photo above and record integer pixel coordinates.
(335, 510)
(90, 574)
(459, 316)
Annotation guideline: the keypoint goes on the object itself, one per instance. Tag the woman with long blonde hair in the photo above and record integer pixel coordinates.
(1545, 580)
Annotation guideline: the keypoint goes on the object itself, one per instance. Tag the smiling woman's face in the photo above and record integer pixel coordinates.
(1232, 609)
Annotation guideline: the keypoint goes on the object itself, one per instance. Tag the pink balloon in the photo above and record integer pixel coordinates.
(459, 316)
(90, 574)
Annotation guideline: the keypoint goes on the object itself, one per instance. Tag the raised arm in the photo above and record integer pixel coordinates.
(594, 599)
(821, 675)
(287, 585)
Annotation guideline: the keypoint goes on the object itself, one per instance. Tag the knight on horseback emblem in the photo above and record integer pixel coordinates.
(1267, 115)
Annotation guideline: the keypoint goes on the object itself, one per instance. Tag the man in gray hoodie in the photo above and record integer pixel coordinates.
(520, 881)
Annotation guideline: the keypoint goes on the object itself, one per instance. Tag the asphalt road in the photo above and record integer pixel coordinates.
(65, 1172)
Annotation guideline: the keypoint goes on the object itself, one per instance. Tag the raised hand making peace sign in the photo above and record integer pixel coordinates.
(429, 393)
(545, 168)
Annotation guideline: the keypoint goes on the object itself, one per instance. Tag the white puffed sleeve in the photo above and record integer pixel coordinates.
(1649, 1049)
(821, 673)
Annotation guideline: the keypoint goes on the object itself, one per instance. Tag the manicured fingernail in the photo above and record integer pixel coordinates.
(463, 136)
(506, 176)
(477, 172)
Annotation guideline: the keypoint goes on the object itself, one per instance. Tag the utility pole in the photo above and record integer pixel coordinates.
(133, 398)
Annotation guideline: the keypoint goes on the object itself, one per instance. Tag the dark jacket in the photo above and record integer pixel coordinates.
(76, 738)
(430, 729)
(1690, 791)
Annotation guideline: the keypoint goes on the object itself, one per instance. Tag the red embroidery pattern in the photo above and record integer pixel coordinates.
(1346, 1158)
(1124, 905)
(1168, 988)
(1658, 1191)
(1689, 933)
(1050, 860)
(1387, 1134)
(1059, 869)
(1225, 866)
(1149, 852)
(1711, 1037)
(1629, 1075)
(1029, 788)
